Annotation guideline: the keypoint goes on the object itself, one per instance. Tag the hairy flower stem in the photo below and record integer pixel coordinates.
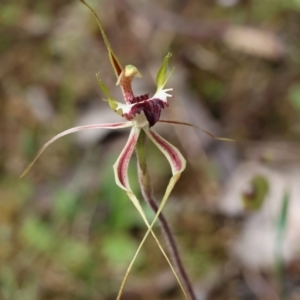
(146, 188)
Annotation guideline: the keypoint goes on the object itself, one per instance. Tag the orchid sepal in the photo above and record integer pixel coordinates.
(118, 125)
(175, 158)
(121, 165)
(121, 178)
(116, 65)
(178, 164)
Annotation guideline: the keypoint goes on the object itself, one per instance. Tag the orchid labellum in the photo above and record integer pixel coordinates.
(141, 112)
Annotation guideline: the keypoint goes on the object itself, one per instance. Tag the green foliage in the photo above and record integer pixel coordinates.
(65, 204)
(259, 189)
(73, 254)
(10, 13)
(118, 249)
(9, 286)
(281, 225)
(39, 235)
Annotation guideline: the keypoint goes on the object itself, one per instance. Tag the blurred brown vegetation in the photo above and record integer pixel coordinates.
(67, 231)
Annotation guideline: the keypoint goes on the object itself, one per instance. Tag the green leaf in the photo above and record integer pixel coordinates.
(161, 79)
(255, 199)
(281, 225)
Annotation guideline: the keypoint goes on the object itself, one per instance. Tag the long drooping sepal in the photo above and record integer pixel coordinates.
(121, 177)
(177, 163)
(75, 129)
(112, 57)
(146, 189)
(197, 127)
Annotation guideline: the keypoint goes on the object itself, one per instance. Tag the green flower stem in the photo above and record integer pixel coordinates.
(146, 188)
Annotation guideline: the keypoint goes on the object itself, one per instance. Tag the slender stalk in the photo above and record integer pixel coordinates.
(146, 188)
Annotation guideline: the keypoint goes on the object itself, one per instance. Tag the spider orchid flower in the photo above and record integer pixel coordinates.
(141, 112)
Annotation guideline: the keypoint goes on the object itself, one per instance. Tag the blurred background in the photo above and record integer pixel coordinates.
(66, 230)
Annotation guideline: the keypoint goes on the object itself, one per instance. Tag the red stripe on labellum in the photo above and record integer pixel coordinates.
(124, 160)
(176, 161)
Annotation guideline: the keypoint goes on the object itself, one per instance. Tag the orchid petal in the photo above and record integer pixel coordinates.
(161, 79)
(121, 177)
(75, 129)
(175, 158)
(177, 163)
(103, 87)
(111, 101)
(121, 165)
(197, 127)
(112, 57)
